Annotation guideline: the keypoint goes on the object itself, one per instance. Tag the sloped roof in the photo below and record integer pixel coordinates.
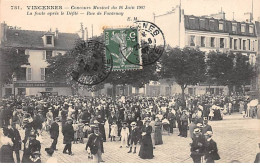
(212, 25)
(34, 39)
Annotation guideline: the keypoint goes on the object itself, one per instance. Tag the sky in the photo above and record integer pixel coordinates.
(71, 24)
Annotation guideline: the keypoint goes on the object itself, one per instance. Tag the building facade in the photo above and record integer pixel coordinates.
(209, 33)
(39, 45)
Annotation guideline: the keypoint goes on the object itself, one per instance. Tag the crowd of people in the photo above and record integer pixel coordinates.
(132, 120)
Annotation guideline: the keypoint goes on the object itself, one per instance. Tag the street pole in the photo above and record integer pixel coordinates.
(14, 90)
(14, 80)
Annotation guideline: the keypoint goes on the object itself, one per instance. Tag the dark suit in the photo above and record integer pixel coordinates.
(97, 140)
(205, 129)
(6, 154)
(178, 116)
(16, 138)
(184, 125)
(257, 158)
(211, 151)
(171, 117)
(68, 136)
(33, 146)
(197, 148)
(54, 132)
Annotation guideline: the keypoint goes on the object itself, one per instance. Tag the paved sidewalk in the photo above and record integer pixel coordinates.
(236, 139)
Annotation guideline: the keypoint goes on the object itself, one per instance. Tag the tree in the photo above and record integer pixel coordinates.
(229, 69)
(243, 72)
(135, 78)
(220, 68)
(11, 60)
(186, 66)
(61, 67)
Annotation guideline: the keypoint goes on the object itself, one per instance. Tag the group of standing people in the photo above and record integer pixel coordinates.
(132, 120)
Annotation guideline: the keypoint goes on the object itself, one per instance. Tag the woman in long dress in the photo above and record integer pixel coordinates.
(158, 132)
(146, 149)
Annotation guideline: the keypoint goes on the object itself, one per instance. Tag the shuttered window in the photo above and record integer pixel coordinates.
(42, 74)
(212, 42)
(192, 40)
(29, 74)
(235, 44)
(220, 26)
(202, 41)
(221, 43)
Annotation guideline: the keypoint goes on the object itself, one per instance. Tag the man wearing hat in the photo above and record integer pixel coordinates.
(27, 122)
(112, 118)
(171, 117)
(30, 147)
(206, 126)
(38, 119)
(101, 125)
(16, 138)
(64, 114)
(129, 120)
(49, 118)
(54, 133)
(68, 136)
(192, 126)
(95, 143)
(197, 146)
(184, 123)
(178, 119)
(133, 137)
(211, 150)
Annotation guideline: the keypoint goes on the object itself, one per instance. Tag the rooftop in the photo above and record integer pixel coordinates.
(34, 39)
(203, 23)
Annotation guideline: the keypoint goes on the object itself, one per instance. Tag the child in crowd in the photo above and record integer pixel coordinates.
(114, 131)
(124, 135)
(81, 133)
(211, 114)
(133, 137)
(86, 130)
(76, 131)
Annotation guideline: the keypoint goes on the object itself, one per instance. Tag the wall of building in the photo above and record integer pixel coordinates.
(173, 30)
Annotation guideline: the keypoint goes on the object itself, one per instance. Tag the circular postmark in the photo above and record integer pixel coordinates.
(92, 65)
(151, 43)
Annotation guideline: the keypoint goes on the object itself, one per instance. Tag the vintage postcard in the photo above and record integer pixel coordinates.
(129, 81)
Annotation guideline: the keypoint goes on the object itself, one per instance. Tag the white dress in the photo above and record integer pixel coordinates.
(114, 130)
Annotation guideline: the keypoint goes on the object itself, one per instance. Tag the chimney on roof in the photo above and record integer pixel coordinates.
(82, 31)
(3, 29)
(57, 33)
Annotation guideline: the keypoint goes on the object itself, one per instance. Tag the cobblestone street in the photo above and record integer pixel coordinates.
(236, 138)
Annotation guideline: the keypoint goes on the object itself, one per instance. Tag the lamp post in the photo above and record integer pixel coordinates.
(14, 77)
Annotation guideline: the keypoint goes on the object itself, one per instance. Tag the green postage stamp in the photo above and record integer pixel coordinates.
(123, 45)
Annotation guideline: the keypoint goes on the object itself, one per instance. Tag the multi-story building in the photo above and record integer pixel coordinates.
(208, 34)
(258, 58)
(39, 45)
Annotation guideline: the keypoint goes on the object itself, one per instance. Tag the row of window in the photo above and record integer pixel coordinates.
(48, 54)
(242, 43)
(243, 28)
(202, 41)
(29, 74)
(221, 25)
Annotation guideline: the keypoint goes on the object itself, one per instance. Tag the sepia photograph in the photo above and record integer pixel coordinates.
(133, 81)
